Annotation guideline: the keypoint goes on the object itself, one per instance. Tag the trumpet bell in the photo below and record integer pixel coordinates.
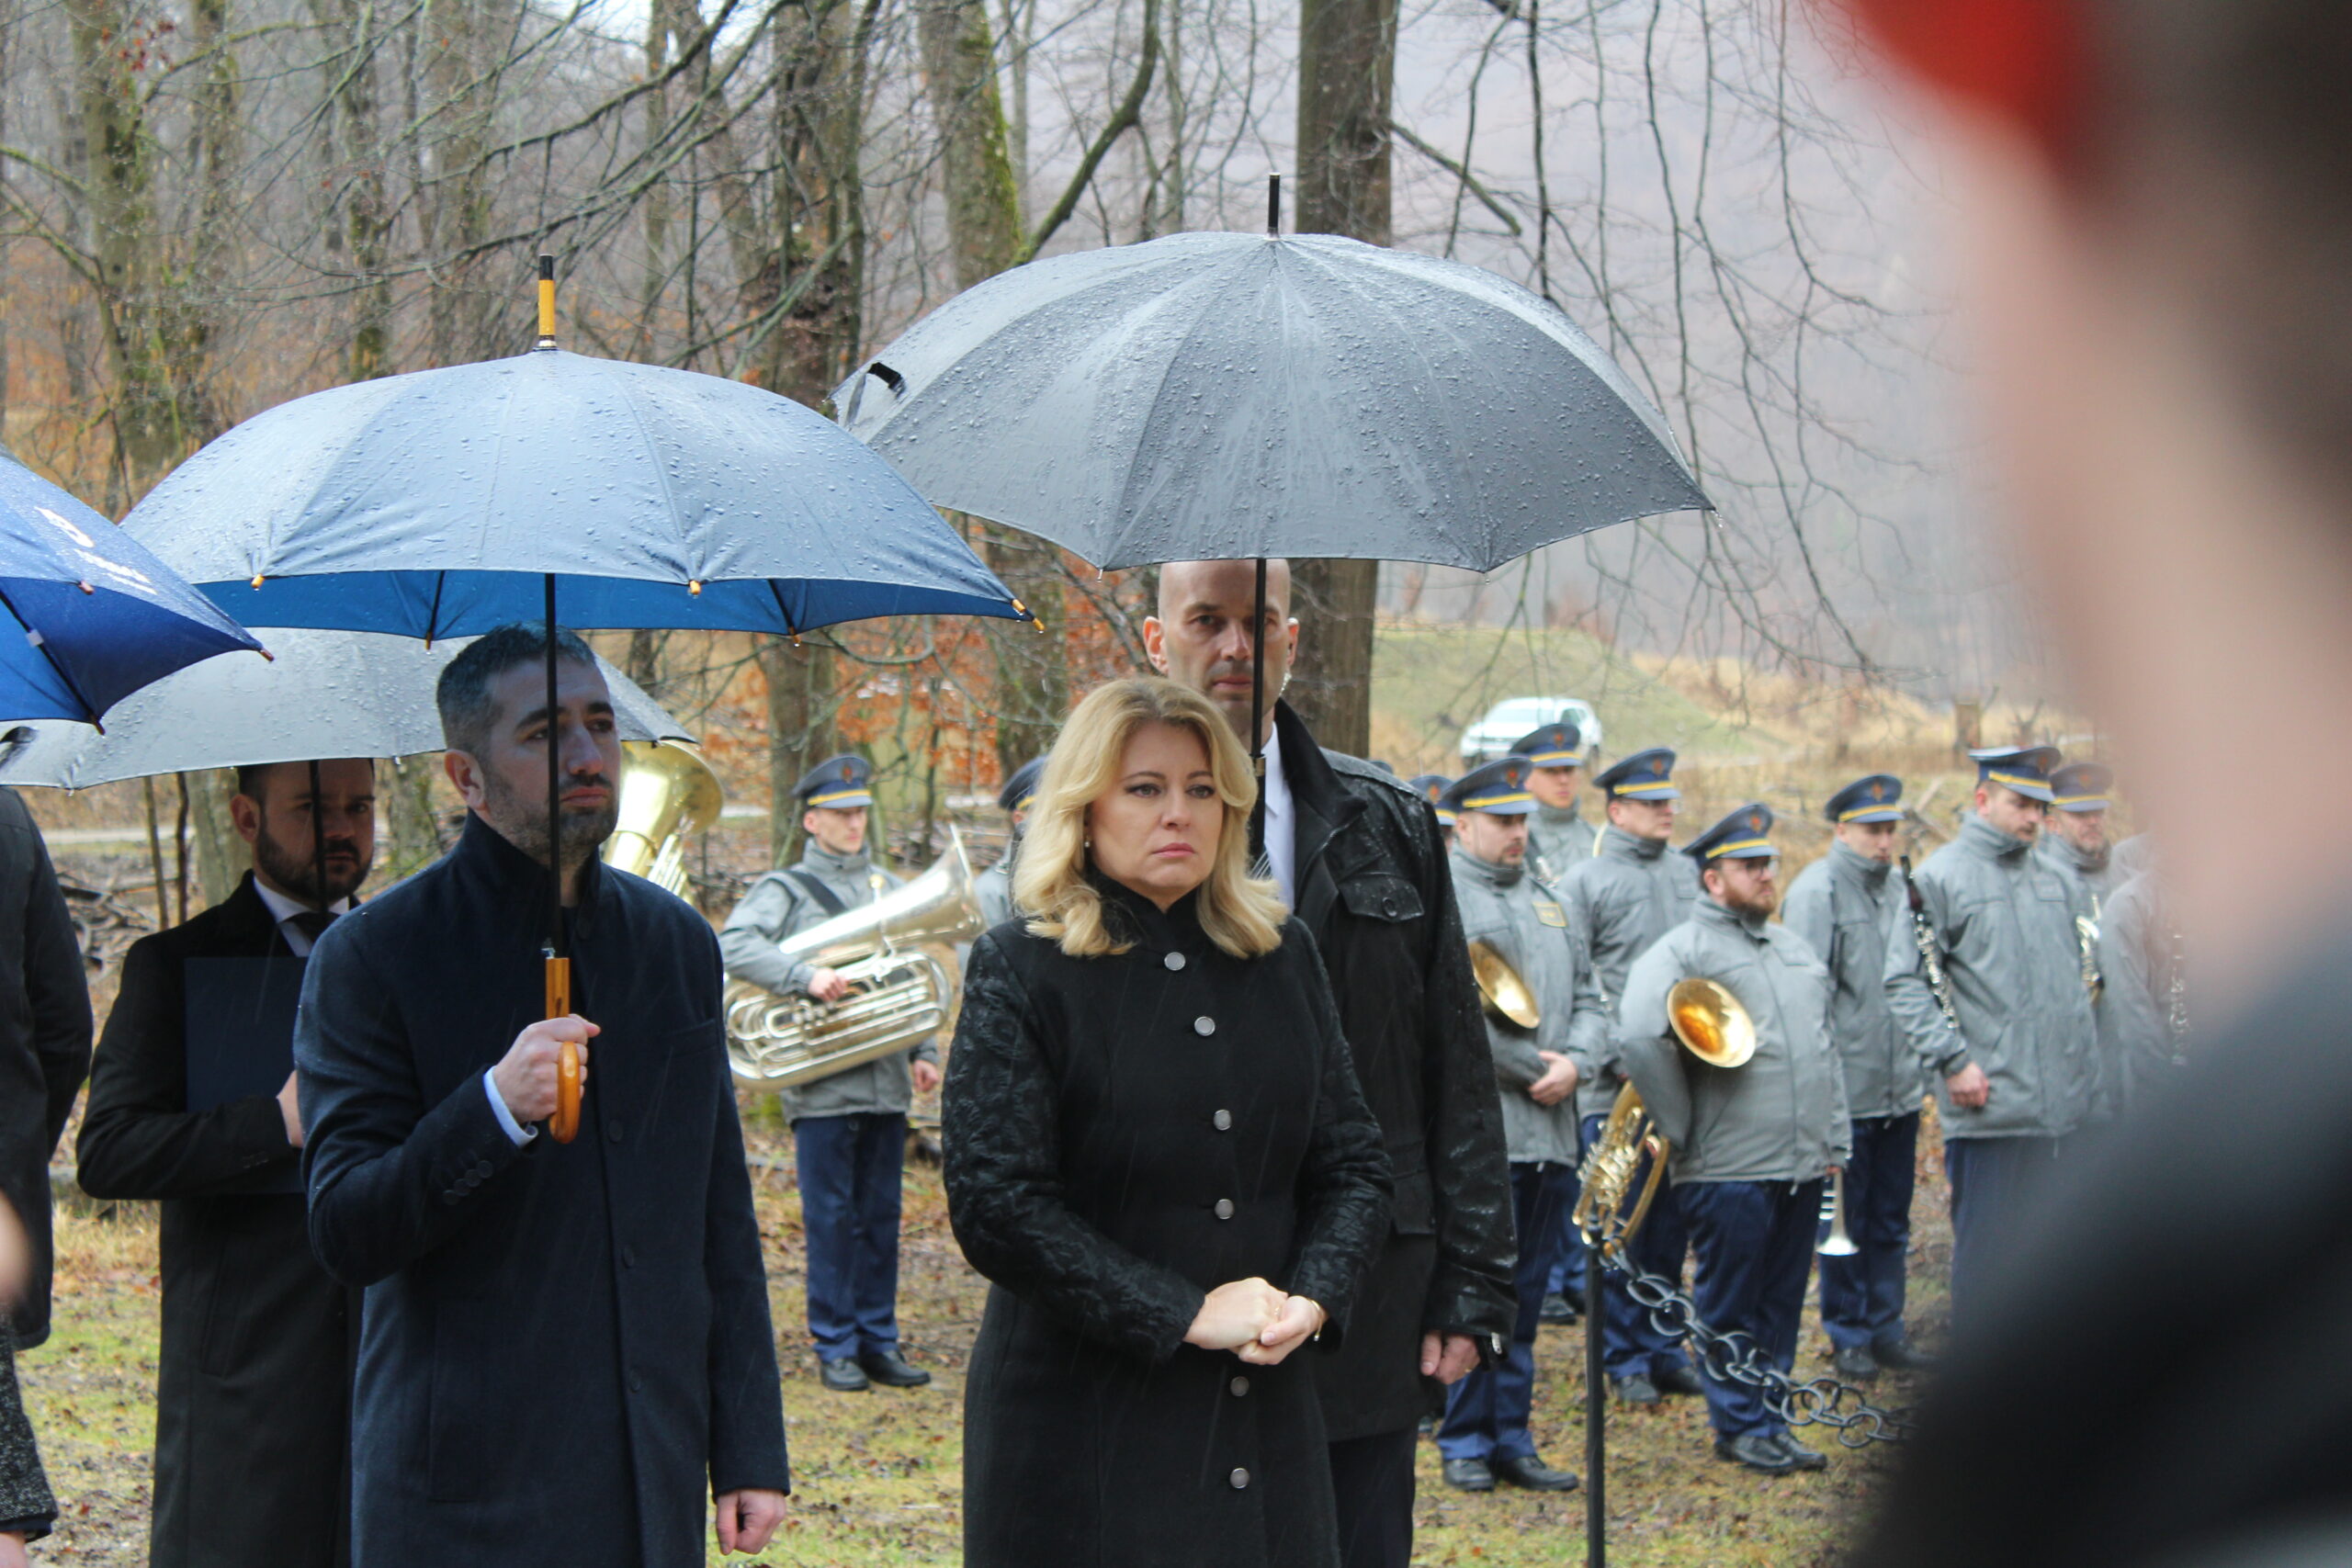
(1501, 988)
(1710, 1022)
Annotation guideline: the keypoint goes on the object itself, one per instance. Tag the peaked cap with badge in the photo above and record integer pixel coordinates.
(1740, 835)
(1877, 798)
(2025, 769)
(1553, 746)
(1021, 788)
(2081, 786)
(1644, 775)
(1431, 787)
(1500, 789)
(836, 783)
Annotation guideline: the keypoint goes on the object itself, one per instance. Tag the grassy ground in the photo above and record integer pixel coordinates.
(877, 1474)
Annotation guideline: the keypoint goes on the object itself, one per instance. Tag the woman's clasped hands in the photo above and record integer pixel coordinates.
(1259, 1322)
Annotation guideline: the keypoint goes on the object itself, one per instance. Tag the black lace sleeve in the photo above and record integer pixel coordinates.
(1004, 1182)
(1344, 1185)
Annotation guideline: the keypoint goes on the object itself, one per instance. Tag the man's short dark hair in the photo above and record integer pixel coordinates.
(463, 694)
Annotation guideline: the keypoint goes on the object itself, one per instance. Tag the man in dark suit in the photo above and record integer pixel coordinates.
(44, 1042)
(1357, 858)
(566, 1347)
(192, 1102)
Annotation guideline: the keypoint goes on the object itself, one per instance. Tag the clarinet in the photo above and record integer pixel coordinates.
(1923, 933)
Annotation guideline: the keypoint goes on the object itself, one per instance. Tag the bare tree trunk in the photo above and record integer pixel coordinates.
(456, 217)
(363, 223)
(1347, 70)
(800, 727)
(976, 166)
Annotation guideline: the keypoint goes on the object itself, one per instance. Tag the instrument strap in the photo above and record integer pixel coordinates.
(812, 885)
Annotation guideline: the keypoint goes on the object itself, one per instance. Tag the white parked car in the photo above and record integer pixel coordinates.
(1492, 736)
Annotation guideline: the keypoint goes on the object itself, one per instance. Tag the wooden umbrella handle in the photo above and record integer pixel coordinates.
(564, 1125)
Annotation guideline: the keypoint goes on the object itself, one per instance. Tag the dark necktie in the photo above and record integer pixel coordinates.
(312, 924)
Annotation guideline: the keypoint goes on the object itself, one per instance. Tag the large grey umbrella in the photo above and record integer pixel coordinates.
(1226, 396)
(326, 694)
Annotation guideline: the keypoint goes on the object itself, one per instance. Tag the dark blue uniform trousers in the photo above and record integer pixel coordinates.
(849, 1169)
(1861, 1296)
(1486, 1411)
(1755, 1242)
(1630, 1343)
(1992, 1180)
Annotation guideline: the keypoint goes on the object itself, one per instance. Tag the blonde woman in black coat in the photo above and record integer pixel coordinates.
(1158, 1152)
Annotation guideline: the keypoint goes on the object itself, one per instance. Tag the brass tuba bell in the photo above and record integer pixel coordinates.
(668, 794)
(1712, 1025)
(1500, 990)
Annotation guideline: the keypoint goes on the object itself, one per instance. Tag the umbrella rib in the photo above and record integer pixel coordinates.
(777, 594)
(653, 455)
(1128, 504)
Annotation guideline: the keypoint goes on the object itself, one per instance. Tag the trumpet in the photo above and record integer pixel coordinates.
(1712, 1025)
(1839, 1243)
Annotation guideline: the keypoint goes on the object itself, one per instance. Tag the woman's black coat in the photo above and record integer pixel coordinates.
(1122, 1135)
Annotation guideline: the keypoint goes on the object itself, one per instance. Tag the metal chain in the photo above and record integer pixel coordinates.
(1736, 1357)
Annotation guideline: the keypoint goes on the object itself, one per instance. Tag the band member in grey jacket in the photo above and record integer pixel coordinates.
(2016, 1058)
(850, 1130)
(1751, 1142)
(1845, 905)
(1521, 921)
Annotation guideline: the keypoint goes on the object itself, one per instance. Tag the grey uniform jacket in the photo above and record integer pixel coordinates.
(777, 906)
(1524, 921)
(993, 888)
(1630, 893)
(2138, 957)
(1844, 905)
(2005, 924)
(1558, 840)
(2099, 876)
(1781, 1117)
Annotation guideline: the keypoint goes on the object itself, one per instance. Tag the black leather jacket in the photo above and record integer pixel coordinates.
(1374, 889)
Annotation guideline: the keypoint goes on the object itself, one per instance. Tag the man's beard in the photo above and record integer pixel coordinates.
(294, 867)
(1759, 904)
(521, 818)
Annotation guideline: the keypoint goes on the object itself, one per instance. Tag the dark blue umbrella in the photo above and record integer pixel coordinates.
(98, 616)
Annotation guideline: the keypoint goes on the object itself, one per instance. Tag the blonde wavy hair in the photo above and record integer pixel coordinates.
(1241, 914)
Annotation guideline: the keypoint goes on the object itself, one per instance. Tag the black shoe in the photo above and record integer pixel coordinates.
(843, 1375)
(1635, 1389)
(892, 1371)
(1897, 1355)
(1469, 1475)
(1854, 1364)
(1757, 1450)
(1802, 1457)
(1531, 1473)
(1558, 1309)
(1678, 1380)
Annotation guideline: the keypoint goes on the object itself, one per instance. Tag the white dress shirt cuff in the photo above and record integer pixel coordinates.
(513, 1129)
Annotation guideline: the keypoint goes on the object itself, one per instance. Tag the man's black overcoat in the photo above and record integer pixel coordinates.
(1124, 1134)
(566, 1348)
(253, 1399)
(44, 1040)
(1374, 890)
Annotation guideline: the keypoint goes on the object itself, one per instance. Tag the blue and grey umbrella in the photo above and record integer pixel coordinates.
(96, 615)
(453, 500)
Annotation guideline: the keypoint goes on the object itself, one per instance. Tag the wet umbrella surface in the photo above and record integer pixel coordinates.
(1226, 396)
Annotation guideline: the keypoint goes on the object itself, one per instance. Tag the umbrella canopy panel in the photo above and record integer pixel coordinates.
(97, 616)
(656, 497)
(1235, 395)
(328, 695)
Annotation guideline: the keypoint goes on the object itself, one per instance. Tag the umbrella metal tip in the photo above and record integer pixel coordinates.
(694, 586)
(85, 587)
(257, 582)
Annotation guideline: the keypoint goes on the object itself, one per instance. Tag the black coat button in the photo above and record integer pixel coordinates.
(1222, 1120)
(1224, 1208)
(1240, 1479)
(1205, 1026)
(629, 1258)
(1174, 960)
(613, 1129)
(1239, 1386)
(482, 1169)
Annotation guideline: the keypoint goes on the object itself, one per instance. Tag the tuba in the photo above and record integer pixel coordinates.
(668, 794)
(899, 994)
(1712, 1025)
